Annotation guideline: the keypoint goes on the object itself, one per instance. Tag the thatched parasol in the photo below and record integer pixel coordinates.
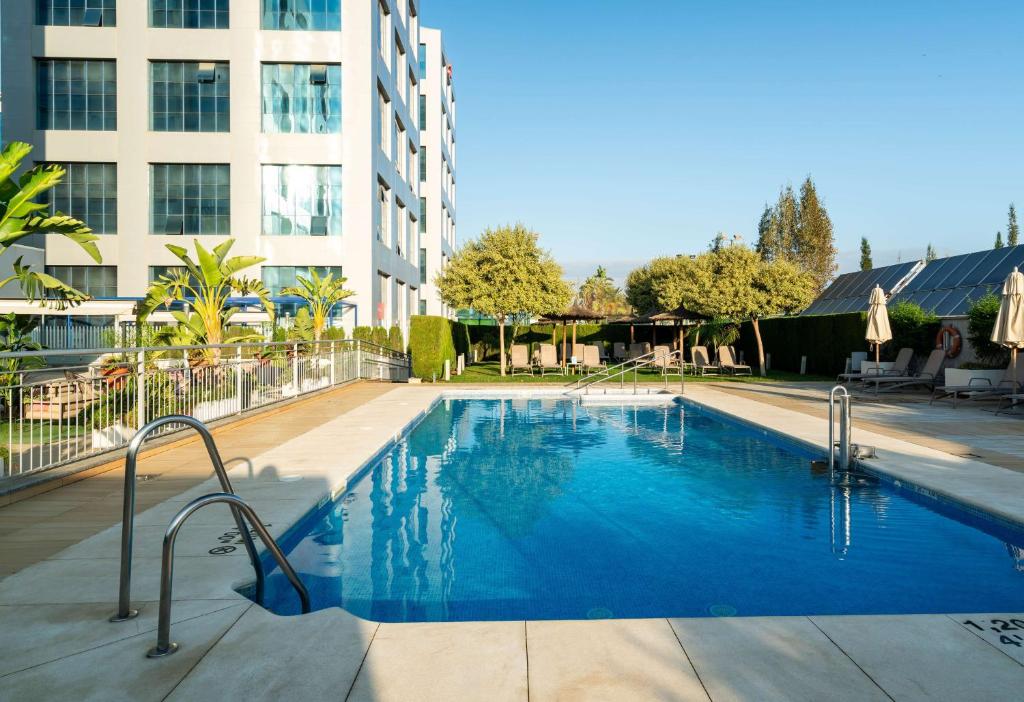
(573, 314)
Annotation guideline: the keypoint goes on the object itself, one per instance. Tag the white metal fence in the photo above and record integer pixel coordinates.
(49, 417)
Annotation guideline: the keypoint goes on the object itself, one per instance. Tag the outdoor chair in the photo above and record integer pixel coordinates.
(618, 351)
(702, 364)
(638, 350)
(547, 358)
(592, 359)
(899, 367)
(982, 388)
(665, 362)
(727, 362)
(926, 377)
(519, 360)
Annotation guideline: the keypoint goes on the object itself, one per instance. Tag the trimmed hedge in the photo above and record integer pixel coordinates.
(432, 341)
(828, 340)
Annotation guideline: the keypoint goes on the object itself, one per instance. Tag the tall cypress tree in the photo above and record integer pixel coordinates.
(999, 240)
(765, 243)
(784, 224)
(929, 254)
(866, 264)
(1012, 231)
(814, 247)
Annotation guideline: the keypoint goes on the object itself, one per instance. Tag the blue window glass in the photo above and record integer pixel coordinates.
(88, 192)
(302, 15)
(302, 200)
(74, 94)
(98, 281)
(276, 278)
(189, 198)
(423, 60)
(301, 98)
(77, 13)
(190, 96)
(189, 14)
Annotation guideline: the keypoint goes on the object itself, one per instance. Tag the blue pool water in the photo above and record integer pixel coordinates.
(542, 509)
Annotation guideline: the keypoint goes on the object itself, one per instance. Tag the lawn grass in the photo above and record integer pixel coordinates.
(489, 373)
(38, 432)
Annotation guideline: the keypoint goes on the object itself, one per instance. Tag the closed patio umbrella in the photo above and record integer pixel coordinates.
(1009, 327)
(878, 331)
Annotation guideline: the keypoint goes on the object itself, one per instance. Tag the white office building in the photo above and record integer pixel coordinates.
(288, 125)
(437, 167)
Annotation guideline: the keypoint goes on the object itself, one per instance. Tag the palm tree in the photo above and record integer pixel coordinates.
(205, 287)
(21, 216)
(321, 294)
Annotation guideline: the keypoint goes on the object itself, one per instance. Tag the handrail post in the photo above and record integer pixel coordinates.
(140, 390)
(238, 377)
(333, 364)
(124, 610)
(845, 427)
(164, 645)
(295, 368)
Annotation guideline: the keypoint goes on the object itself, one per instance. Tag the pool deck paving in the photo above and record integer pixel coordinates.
(56, 642)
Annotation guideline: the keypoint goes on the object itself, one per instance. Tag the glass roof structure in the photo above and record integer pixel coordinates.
(948, 286)
(849, 292)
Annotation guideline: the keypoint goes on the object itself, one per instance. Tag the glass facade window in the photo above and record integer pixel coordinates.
(74, 94)
(190, 198)
(423, 215)
(423, 306)
(276, 278)
(423, 163)
(88, 192)
(303, 15)
(301, 98)
(77, 13)
(98, 281)
(160, 271)
(189, 14)
(190, 96)
(423, 112)
(302, 200)
(423, 266)
(423, 60)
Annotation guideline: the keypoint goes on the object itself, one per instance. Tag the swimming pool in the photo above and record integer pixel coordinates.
(545, 509)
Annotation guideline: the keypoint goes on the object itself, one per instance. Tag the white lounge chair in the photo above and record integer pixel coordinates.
(702, 364)
(899, 367)
(982, 388)
(926, 377)
(547, 359)
(727, 362)
(519, 360)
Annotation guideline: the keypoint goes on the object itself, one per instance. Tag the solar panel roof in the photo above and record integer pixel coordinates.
(948, 286)
(849, 292)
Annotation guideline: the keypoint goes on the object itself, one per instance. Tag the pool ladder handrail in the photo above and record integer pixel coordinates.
(633, 364)
(124, 610)
(845, 428)
(164, 645)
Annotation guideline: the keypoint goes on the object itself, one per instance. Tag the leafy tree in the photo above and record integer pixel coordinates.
(866, 264)
(1012, 230)
(504, 273)
(718, 242)
(814, 248)
(765, 234)
(321, 295)
(22, 216)
(912, 327)
(778, 240)
(929, 254)
(981, 319)
(644, 283)
(599, 294)
(736, 283)
(205, 287)
(999, 240)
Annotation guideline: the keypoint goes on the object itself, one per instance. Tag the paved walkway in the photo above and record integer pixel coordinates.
(57, 644)
(35, 528)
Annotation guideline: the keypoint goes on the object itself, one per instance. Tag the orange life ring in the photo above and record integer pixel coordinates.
(955, 343)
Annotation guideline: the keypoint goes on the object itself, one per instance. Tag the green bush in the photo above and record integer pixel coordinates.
(363, 333)
(379, 336)
(484, 339)
(334, 334)
(395, 341)
(913, 327)
(981, 320)
(431, 343)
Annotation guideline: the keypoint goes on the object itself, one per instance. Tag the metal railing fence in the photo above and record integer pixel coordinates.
(53, 416)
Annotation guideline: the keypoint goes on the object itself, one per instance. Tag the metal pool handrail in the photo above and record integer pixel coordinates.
(164, 645)
(845, 428)
(124, 610)
(634, 364)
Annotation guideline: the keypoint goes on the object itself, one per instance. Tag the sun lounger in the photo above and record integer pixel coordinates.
(592, 359)
(638, 350)
(927, 377)
(547, 358)
(899, 367)
(519, 360)
(1011, 400)
(702, 364)
(618, 351)
(982, 388)
(727, 362)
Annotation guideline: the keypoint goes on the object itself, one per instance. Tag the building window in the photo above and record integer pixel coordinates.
(384, 135)
(423, 266)
(302, 15)
(276, 278)
(88, 192)
(188, 14)
(383, 214)
(190, 198)
(423, 164)
(423, 306)
(73, 94)
(384, 24)
(77, 13)
(302, 200)
(423, 215)
(98, 281)
(190, 97)
(423, 112)
(301, 98)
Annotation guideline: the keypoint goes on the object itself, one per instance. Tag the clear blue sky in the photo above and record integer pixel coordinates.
(622, 130)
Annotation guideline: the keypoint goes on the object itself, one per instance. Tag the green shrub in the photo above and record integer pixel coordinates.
(431, 343)
(379, 336)
(334, 334)
(279, 334)
(912, 327)
(981, 320)
(395, 341)
(363, 333)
